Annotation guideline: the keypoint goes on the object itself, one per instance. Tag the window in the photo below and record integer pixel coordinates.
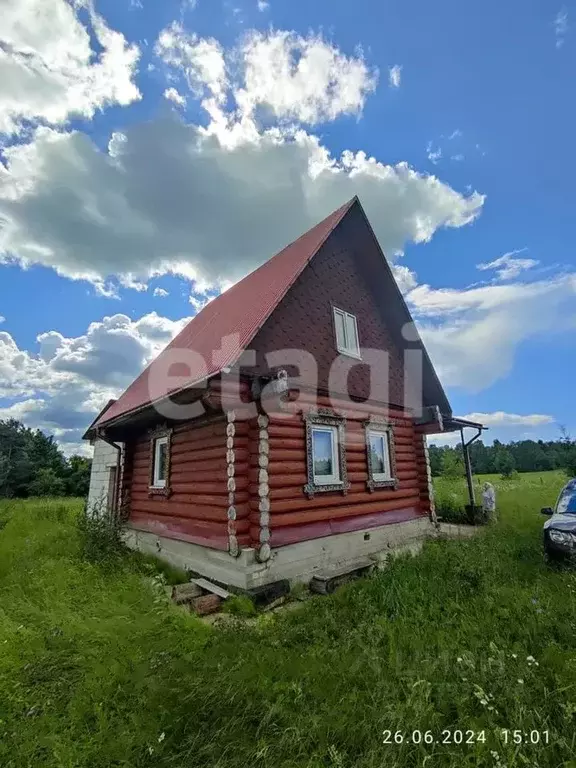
(346, 333)
(326, 452)
(380, 454)
(159, 462)
(325, 455)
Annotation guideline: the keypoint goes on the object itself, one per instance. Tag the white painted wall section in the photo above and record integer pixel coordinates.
(105, 456)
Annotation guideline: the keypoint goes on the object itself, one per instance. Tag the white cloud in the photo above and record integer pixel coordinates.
(148, 205)
(288, 76)
(303, 79)
(2, 319)
(201, 60)
(405, 278)
(395, 76)
(508, 267)
(62, 387)
(434, 155)
(48, 69)
(263, 5)
(160, 293)
(561, 26)
(501, 419)
(472, 334)
(200, 300)
(173, 95)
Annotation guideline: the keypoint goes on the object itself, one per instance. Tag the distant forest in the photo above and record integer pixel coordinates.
(506, 458)
(31, 464)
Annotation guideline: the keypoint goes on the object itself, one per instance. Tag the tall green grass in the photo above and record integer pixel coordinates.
(97, 669)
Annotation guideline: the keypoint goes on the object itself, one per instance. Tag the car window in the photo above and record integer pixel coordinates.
(567, 500)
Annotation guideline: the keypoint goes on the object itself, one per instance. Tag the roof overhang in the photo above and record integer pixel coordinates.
(453, 424)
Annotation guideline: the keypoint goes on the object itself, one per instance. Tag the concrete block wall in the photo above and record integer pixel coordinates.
(105, 456)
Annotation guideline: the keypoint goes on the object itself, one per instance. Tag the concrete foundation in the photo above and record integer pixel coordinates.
(295, 562)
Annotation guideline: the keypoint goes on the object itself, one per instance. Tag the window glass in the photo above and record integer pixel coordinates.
(161, 461)
(160, 458)
(323, 452)
(346, 333)
(352, 335)
(379, 455)
(340, 323)
(377, 459)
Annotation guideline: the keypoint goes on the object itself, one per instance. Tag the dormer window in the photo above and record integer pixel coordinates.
(346, 330)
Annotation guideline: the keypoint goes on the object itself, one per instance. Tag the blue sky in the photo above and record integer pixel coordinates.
(153, 153)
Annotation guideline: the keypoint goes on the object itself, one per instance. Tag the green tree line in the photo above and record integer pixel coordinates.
(31, 464)
(506, 458)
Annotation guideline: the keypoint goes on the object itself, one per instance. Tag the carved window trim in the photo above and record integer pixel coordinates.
(154, 435)
(383, 426)
(324, 417)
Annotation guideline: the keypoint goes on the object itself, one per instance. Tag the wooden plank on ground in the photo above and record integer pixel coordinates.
(214, 588)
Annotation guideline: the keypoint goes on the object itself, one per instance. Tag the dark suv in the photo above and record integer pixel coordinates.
(560, 530)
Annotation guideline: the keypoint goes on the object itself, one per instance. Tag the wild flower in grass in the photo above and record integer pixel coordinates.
(497, 761)
(150, 750)
(161, 737)
(520, 681)
(532, 661)
(514, 656)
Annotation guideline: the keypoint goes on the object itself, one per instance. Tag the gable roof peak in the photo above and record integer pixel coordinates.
(238, 313)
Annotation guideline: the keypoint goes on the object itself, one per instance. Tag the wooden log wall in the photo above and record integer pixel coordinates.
(293, 517)
(202, 478)
(424, 474)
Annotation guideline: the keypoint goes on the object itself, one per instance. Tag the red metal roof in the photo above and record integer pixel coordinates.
(238, 313)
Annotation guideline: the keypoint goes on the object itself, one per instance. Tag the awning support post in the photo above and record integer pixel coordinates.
(468, 464)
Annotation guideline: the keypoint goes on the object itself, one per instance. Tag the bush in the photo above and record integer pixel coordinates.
(100, 535)
(451, 510)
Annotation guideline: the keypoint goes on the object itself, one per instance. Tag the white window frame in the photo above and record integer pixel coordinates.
(381, 427)
(158, 482)
(326, 420)
(349, 322)
(334, 478)
(384, 435)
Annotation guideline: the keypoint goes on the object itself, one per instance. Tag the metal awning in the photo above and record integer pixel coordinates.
(453, 423)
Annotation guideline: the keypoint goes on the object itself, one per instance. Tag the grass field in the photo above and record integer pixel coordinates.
(97, 669)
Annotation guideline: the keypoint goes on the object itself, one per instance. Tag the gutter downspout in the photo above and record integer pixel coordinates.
(100, 434)
(467, 464)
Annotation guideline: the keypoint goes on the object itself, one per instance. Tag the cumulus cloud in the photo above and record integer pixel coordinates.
(173, 95)
(289, 77)
(160, 293)
(395, 76)
(50, 72)
(502, 419)
(263, 5)
(63, 386)
(405, 278)
(472, 334)
(201, 60)
(169, 197)
(508, 267)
